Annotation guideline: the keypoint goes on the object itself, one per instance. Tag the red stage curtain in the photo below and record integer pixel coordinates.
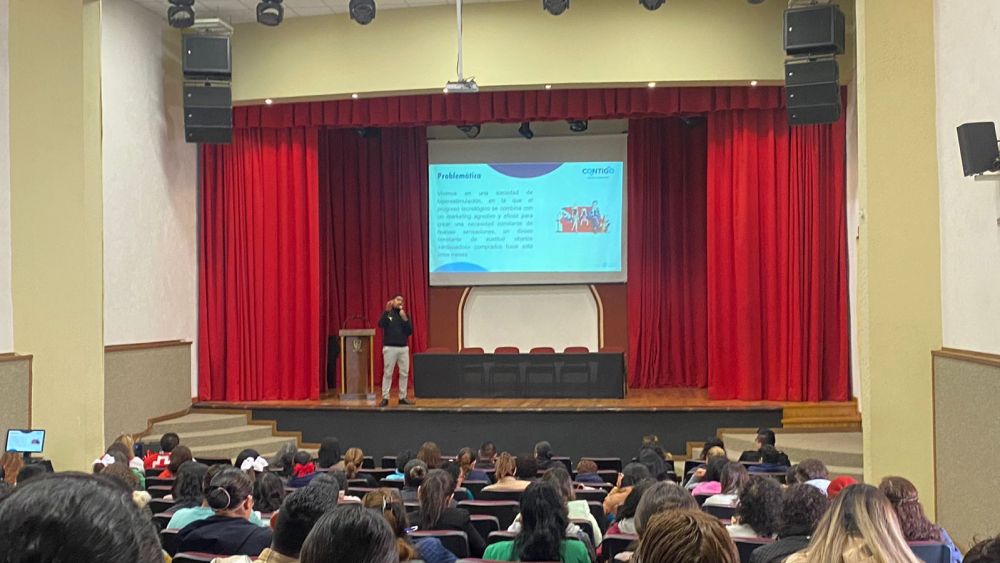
(666, 254)
(374, 226)
(777, 259)
(259, 267)
(505, 107)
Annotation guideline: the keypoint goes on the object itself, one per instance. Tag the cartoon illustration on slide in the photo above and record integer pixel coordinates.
(582, 219)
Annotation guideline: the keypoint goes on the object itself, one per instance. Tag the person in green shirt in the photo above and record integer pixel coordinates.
(544, 518)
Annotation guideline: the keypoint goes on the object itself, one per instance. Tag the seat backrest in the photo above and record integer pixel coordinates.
(411, 506)
(720, 512)
(595, 495)
(159, 505)
(931, 552)
(504, 510)
(614, 544)
(586, 526)
(507, 350)
(606, 463)
(542, 350)
(170, 540)
(700, 499)
(502, 535)
(452, 540)
(195, 557)
(359, 492)
(609, 475)
(745, 546)
(158, 482)
(388, 462)
(576, 350)
(159, 491)
(597, 511)
(475, 486)
(472, 350)
(484, 524)
(392, 484)
(499, 495)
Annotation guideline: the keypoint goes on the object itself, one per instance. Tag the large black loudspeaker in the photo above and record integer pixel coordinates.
(207, 56)
(978, 145)
(208, 113)
(814, 30)
(812, 91)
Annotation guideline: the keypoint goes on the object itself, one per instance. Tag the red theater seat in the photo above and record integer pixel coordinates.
(543, 350)
(576, 350)
(472, 351)
(507, 350)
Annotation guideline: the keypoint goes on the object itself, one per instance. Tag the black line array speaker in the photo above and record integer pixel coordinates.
(978, 145)
(207, 55)
(208, 112)
(812, 91)
(814, 30)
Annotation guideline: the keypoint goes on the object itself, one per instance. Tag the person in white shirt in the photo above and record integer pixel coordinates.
(734, 478)
(812, 472)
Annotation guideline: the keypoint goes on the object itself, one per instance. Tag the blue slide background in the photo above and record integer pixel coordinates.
(511, 217)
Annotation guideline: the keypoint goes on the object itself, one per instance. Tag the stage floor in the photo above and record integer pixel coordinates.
(673, 399)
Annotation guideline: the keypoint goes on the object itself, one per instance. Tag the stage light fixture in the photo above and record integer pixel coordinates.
(181, 13)
(525, 131)
(270, 12)
(471, 131)
(652, 4)
(368, 132)
(555, 7)
(691, 121)
(577, 125)
(269, 101)
(362, 11)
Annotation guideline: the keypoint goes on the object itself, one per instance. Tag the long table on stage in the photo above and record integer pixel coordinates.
(590, 375)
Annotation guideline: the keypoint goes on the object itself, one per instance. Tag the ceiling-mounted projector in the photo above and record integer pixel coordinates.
(467, 86)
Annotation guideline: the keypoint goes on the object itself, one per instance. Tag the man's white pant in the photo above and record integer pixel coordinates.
(392, 355)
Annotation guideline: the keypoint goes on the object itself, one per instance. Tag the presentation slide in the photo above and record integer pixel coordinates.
(543, 218)
(25, 441)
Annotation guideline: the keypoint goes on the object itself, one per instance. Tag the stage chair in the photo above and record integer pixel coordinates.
(931, 552)
(170, 540)
(195, 557)
(606, 463)
(499, 495)
(720, 512)
(474, 374)
(576, 350)
(577, 372)
(616, 543)
(472, 350)
(745, 546)
(437, 350)
(484, 524)
(543, 376)
(507, 369)
(505, 511)
(475, 486)
(453, 540)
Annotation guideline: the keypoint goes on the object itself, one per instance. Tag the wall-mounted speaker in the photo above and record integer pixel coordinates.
(978, 144)
(208, 113)
(206, 56)
(812, 91)
(814, 30)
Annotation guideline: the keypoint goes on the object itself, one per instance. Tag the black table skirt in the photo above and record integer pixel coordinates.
(598, 375)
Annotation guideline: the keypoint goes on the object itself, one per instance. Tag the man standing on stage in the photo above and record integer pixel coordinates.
(396, 331)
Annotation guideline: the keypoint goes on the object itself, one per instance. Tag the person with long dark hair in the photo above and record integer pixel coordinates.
(543, 530)
(902, 494)
(734, 478)
(435, 513)
(184, 516)
(268, 492)
(189, 486)
(802, 507)
(543, 456)
(630, 475)
(329, 454)
(388, 502)
(229, 531)
(350, 533)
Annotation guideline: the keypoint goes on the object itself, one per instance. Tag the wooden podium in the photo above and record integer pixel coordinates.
(357, 367)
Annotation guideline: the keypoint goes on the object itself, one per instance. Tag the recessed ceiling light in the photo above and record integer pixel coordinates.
(355, 96)
(445, 90)
(652, 84)
(753, 82)
(548, 86)
(269, 101)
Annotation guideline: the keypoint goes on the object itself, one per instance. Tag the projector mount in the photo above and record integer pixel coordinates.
(462, 85)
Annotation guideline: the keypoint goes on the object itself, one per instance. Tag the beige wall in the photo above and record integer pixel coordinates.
(55, 131)
(512, 44)
(15, 401)
(899, 283)
(143, 381)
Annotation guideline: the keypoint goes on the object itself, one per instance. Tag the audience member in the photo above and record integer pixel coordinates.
(660, 497)
(11, 463)
(759, 509)
(765, 437)
(72, 517)
(303, 470)
(543, 531)
(839, 484)
(189, 486)
(160, 459)
(29, 472)
(902, 494)
(180, 455)
(812, 472)
(402, 458)
(712, 448)
(685, 536)
(802, 507)
(185, 516)
(248, 453)
(299, 513)
(415, 473)
(127, 441)
(452, 468)
(389, 503)
(711, 482)
(630, 475)
(543, 456)
(436, 514)
(228, 531)
(527, 468)
(710, 445)
(121, 451)
(354, 459)
(487, 455)
(771, 461)
(859, 526)
(268, 492)
(507, 475)
(430, 454)
(586, 472)
(658, 467)
(341, 478)
(121, 473)
(350, 533)
(328, 455)
(625, 522)
(653, 441)
(986, 551)
(282, 461)
(576, 509)
(734, 479)
(467, 462)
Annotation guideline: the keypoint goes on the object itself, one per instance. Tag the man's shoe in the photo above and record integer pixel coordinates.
(384, 403)
(405, 402)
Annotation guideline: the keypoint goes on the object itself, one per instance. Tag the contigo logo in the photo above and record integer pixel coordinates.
(603, 171)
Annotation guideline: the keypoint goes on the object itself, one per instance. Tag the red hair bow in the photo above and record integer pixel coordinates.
(302, 470)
